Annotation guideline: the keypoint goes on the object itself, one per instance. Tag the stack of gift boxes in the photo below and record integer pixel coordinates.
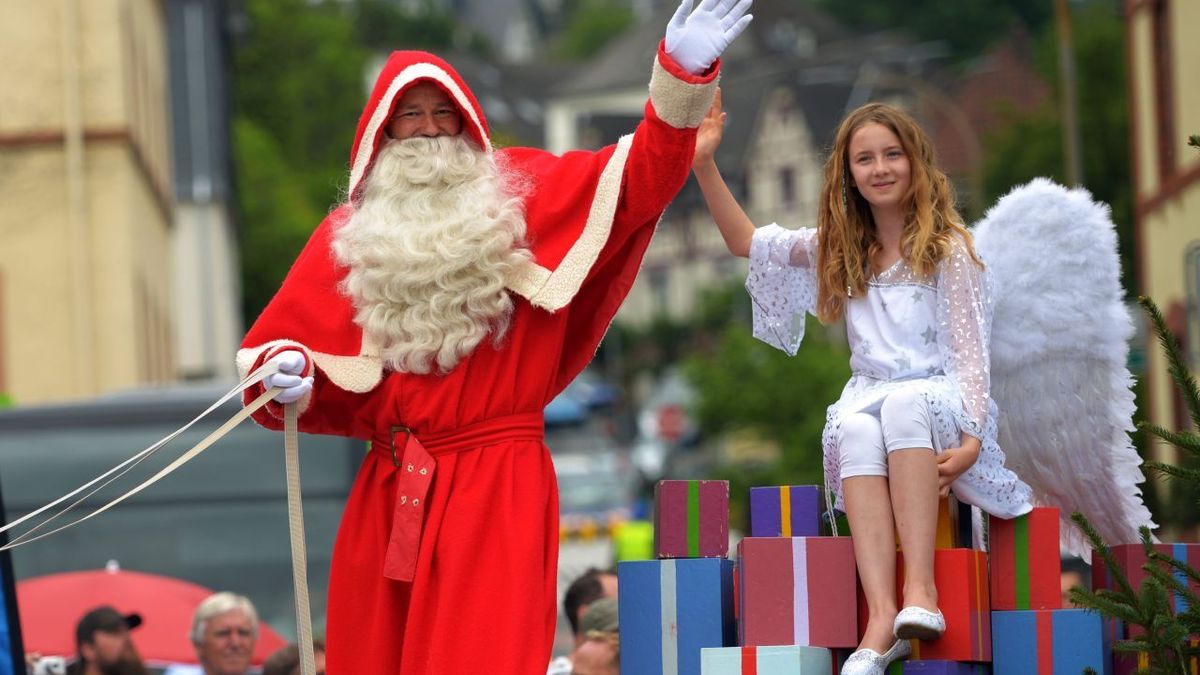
(792, 606)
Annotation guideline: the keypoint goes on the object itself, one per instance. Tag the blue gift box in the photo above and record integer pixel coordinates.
(670, 610)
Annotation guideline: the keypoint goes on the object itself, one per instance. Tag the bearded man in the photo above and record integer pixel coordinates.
(435, 315)
(105, 647)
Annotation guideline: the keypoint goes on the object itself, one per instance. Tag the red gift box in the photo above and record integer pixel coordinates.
(961, 577)
(1025, 563)
(691, 518)
(796, 591)
(1130, 558)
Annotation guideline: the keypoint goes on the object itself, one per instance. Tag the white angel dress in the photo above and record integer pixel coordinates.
(929, 334)
(934, 334)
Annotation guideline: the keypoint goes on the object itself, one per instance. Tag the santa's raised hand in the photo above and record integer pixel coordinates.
(696, 39)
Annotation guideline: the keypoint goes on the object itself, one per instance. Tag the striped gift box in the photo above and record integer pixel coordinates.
(961, 577)
(1130, 558)
(1049, 641)
(1026, 567)
(797, 591)
(789, 660)
(670, 610)
(926, 667)
(785, 511)
(691, 518)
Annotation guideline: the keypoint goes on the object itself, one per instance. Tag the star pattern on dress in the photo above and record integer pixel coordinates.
(865, 347)
(930, 335)
(917, 296)
(903, 363)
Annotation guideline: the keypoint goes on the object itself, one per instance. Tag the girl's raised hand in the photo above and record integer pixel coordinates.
(708, 135)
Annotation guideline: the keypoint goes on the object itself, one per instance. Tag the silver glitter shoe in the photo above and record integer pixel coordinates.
(870, 662)
(916, 623)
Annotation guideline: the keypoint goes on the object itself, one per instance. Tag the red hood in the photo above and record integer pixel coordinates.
(403, 70)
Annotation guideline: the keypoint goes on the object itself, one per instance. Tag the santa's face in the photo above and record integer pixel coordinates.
(424, 110)
(430, 247)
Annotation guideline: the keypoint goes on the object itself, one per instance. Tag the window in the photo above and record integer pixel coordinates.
(658, 289)
(787, 186)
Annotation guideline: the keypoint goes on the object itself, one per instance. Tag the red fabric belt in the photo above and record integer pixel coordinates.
(414, 457)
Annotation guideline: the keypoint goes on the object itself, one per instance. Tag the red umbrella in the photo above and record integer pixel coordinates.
(51, 605)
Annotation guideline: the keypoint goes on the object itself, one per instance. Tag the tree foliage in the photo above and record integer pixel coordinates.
(1166, 632)
(385, 25)
(298, 92)
(1031, 145)
(746, 385)
(277, 213)
(968, 27)
(590, 25)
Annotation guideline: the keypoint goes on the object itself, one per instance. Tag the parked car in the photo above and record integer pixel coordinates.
(596, 482)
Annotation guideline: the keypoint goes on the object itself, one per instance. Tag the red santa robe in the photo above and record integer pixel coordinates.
(446, 557)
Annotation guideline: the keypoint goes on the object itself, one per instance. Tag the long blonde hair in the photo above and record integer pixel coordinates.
(846, 237)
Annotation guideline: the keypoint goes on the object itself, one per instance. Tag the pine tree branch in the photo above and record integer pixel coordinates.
(1175, 362)
(1189, 475)
(1184, 440)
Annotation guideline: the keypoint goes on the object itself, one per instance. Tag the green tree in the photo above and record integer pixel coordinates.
(384, 25)
(746, 385)
(1031, 145)
(1166, 632)
(298, 93)
(968, 27)
(590, 26)
(277, 214)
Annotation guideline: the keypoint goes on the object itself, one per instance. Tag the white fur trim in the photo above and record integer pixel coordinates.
(246, 358)
(529, 280)
(553, 290)
(418, 71)
(680, 104)
(357, 374)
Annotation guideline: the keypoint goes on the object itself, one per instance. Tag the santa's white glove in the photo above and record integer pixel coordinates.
(696, 39)
(291, 367)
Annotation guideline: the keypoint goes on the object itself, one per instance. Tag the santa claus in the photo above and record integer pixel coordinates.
(435, 314)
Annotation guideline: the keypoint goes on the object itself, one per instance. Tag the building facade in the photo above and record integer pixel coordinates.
(1163, 67)
(85, 183)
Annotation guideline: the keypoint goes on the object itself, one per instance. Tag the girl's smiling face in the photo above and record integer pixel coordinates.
(879, 167)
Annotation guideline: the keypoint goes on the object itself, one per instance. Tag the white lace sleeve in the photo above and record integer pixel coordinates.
(782, 284)
(964, 330)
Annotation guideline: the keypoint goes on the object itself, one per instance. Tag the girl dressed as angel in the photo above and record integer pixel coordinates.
(890, 256)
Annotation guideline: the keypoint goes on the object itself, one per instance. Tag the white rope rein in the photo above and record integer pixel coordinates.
(291, 442)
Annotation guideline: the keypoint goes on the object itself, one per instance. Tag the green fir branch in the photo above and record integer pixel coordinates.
(1166, 634)
(1175, 362)
(1191, 475)
(1194, 141)
(1184, 440)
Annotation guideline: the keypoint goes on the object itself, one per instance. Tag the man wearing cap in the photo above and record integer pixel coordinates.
(599, 651)
(104, 646)
(435, 314)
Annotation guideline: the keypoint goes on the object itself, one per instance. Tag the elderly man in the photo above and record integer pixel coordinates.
(224, 632)
(104, 646)
(435, 314)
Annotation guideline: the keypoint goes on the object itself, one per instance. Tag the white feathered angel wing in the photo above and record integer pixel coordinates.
(1059, 348)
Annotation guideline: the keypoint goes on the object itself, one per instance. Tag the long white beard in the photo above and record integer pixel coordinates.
(431, 245)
